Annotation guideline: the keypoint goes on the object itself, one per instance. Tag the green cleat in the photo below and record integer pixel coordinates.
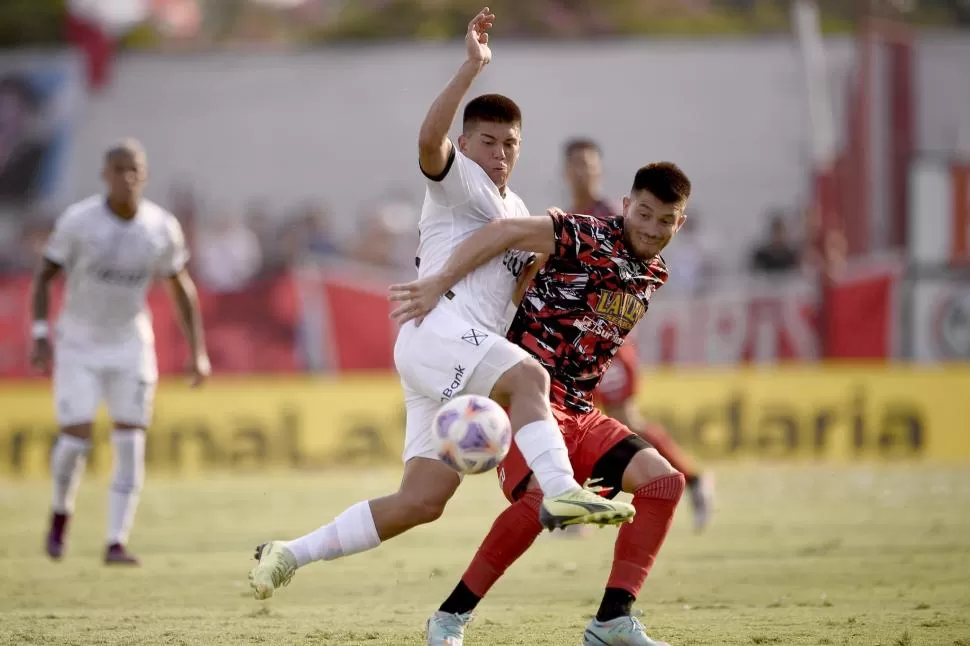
(446, 629)
(583, 507)
(622, 631)
(275, 569)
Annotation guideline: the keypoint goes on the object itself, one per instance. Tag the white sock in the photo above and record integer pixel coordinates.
(67, 466)
(544, 449)
(129, 475)
(351, 532)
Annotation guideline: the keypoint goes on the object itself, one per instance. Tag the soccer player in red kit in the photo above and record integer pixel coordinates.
(618, 389)
(593, 289)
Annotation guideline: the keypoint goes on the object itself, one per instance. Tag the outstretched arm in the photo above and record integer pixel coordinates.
(535, 234)
(186, 300)
(434, 148)
(41, 352)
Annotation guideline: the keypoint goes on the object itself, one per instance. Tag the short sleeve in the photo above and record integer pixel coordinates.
(579, 237)
(62, 243)
(456, 183)
(176, 254)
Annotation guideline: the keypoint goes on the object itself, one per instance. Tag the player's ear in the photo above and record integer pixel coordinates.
(626, 204)
(680, 221)
(462, 142)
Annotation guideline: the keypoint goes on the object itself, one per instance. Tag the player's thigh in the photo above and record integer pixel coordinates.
(418, 421)
(130, 397)
(606, 452)
(428, 482)
(78, 388)
(426, 478)
(491, 376)
(646, 466)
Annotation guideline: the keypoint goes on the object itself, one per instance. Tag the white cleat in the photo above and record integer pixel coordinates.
(275, 569)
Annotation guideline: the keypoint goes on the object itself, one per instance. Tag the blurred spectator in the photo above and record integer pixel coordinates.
(319, 236)
(22, 150)
(691, 258)
(388, 235)
(777, 253)
(228, 255)
(264, 226)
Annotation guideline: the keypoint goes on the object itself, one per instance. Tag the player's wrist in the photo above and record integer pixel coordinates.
(475, 65)
(40, 330)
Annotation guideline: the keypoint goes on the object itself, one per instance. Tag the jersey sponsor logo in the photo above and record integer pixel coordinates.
(122, 277)
(600, 328)
(475, 337)
(515, 262)
(620, 308)
(456, 383)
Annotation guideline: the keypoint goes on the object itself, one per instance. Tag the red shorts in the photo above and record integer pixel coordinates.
(599, 447)
(620, 381)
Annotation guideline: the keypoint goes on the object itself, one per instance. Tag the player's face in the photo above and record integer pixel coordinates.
(650, 224)
(125, 174)
(584, 168)
(494, 147)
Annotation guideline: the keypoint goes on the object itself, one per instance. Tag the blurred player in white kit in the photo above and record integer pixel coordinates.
(110, 247)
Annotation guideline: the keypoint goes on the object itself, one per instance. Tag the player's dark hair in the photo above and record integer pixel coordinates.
(491, 108)
(665, 180)
(579, 144)
(128, 146)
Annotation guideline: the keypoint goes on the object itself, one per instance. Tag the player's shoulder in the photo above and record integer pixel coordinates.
(83, 208)
(587, 221)
(511, 197)
(157, 216)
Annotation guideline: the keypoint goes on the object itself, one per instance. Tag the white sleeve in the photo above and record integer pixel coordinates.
(62, 244)
(176, 254)
(454, 185)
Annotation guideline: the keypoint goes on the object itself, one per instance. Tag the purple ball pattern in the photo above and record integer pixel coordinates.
(475, 438)
(445, 419)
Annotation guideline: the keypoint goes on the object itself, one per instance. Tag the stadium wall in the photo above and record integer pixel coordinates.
(301, 142)
(797, 414)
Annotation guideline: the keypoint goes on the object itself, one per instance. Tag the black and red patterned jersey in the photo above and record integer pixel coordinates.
(582, 304)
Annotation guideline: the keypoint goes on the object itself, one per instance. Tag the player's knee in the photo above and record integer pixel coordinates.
(80, 431)
(527, 377)
(422, 510)
(645, 467)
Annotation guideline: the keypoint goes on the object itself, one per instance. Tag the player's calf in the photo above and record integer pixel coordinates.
(657, 487)
(425, 489)
(126, 485)
(68, 458)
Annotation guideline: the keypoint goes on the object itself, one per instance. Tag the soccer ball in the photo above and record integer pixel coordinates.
(472, 434)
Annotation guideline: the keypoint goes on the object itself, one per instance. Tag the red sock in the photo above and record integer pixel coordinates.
(511, 535)
(638, 542)
(658, 436)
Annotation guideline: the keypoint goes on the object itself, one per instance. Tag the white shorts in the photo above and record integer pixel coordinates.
(125, 378)
(443, 358)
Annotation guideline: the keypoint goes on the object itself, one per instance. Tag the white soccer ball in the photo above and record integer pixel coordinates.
(472, 434)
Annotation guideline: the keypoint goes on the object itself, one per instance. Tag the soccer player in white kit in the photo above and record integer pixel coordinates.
(460, 347)
(110, 247)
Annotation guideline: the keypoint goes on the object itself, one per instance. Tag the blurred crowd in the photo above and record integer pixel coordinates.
(231, 249)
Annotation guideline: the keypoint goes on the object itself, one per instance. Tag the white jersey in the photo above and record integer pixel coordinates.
(110, 265)
(455, 206)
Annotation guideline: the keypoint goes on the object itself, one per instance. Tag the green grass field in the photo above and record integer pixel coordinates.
(796, 555)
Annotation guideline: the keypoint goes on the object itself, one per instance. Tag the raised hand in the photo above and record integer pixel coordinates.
(476, 39)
